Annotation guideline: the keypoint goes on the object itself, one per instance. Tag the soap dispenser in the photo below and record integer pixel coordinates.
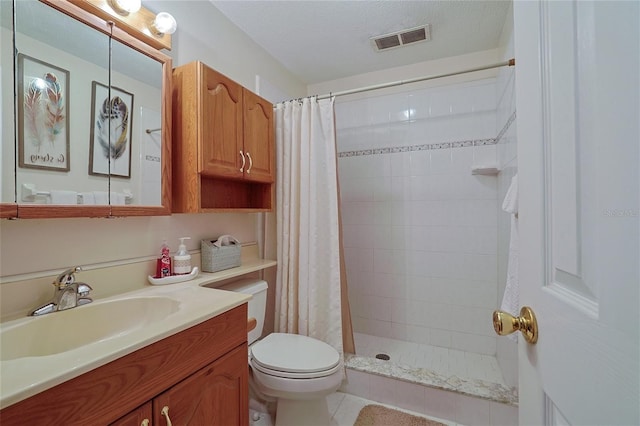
(182, 259)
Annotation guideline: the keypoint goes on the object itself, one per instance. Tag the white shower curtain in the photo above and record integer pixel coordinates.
(308, 293)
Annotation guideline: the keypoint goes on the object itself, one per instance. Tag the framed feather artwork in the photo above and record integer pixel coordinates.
(43, 115)
(111, 130)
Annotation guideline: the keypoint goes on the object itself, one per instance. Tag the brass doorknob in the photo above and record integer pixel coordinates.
(505, 323)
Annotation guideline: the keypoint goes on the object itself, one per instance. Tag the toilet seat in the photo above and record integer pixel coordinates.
(294, 356)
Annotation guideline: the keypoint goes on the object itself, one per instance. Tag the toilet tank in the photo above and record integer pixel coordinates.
(257, 305)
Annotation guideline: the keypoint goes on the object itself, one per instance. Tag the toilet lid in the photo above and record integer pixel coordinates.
(294, 353)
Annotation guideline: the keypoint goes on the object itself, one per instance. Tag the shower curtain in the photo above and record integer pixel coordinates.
(311, 296)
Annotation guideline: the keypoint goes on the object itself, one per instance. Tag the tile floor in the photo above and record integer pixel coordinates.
(444, 361)
(345, 409)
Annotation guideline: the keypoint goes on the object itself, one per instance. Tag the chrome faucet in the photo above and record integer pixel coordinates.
(67, 294)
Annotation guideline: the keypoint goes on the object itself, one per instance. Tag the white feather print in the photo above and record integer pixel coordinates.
(113, 127)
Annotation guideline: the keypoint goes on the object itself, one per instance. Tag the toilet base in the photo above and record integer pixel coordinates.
(309, 412)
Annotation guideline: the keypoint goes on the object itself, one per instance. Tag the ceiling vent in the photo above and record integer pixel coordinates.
(401, 38)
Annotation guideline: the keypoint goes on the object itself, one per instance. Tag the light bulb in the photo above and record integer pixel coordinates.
(126, 6)
(165, 23)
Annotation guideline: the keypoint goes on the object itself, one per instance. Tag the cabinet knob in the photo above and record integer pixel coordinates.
(242, 167)
(250, 162)
(145, 422)
(165, 412)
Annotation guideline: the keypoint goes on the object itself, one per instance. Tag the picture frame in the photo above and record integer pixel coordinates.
(43, 115)
(110, 139)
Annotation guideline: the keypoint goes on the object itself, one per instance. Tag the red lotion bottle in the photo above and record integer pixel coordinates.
(163, 264)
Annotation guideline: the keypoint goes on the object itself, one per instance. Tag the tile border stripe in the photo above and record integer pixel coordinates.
(425, 147)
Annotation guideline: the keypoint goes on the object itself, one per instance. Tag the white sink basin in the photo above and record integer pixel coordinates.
(37, 353)
(63, 331)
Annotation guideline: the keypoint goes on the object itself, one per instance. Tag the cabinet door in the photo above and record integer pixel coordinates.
(221, 125)
(141, 416)
(215, 395)
(258, 138)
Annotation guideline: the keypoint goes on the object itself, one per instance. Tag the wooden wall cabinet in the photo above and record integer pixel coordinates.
(200, 374)
(223, 144)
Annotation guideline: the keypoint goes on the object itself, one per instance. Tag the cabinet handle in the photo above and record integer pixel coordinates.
(250, 162)
(242, 167)
(165, 412)
(145, 422)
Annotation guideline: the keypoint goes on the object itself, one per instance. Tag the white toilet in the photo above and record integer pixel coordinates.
(298, 371)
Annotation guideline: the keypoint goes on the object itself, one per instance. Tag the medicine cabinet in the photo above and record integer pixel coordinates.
(87, 133)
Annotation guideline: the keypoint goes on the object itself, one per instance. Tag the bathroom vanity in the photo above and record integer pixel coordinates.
(151, 375)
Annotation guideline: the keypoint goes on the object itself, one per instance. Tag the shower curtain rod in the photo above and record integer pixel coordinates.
(511, 62)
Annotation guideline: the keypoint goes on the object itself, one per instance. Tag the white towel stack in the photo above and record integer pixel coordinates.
(64, 197)
(101, 197)
(88, 198)
(115, 198)
(511, 297)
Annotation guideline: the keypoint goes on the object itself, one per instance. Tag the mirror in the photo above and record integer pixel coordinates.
(90, 135)
(8, 206)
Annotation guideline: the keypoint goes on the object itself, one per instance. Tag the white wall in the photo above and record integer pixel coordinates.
(205, 34)
(33, 248)
(420, 69)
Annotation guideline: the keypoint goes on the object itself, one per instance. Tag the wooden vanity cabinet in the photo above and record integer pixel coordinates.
(223, 144)
(200, 374)
(209, 397)
(212, 396)
(141, 416)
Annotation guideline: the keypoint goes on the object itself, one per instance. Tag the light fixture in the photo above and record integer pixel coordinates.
(133, 18)
(124, 7)
(164, 23)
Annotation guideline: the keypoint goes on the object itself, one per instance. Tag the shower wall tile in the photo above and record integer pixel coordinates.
(389, 285)
(420, 229)
(461, 159)
(379, 328)
(441, 161)
(485, 155)
(401, 162)
(359, 259)
(419, 163)
(440, 337)
(473, 343)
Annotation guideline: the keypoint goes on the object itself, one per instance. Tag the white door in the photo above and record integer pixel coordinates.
(578, 91)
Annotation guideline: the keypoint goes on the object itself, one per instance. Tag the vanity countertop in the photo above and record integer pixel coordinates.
(23, 377)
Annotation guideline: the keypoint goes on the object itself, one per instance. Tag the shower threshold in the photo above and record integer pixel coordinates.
(491, 386)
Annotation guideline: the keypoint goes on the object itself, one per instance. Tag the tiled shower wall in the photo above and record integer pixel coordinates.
(420, 230)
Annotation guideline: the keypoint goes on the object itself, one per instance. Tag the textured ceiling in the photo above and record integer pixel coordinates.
(326, 40)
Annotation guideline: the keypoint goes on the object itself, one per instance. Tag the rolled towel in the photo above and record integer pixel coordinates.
(64, 197)
(88, 198)
(101, 197)
(117, 199)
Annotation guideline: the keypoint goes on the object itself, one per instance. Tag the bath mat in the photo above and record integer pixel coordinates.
(377, 415)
